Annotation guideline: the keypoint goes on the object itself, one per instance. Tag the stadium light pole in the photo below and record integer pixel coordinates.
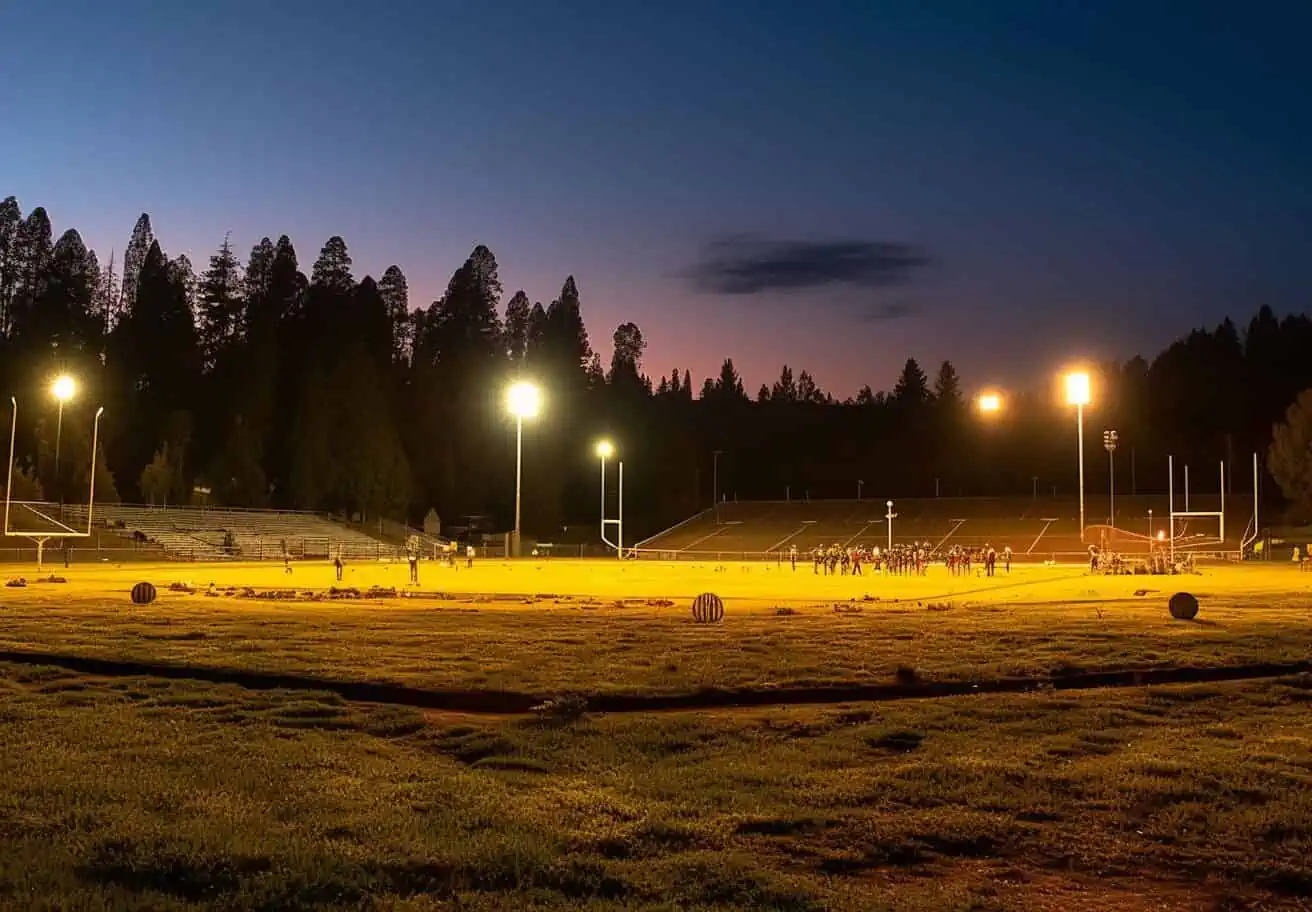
(63, 389)
(605, 450)
(1109, 439)
(1077, 394)
(524, 400)
(890, 516)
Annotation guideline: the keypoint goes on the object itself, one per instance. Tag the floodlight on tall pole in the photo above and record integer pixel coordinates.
(890, 516)
(605, 450)
(524, 400)
(1077, 394)
(989, 403)
(1109, 440)
(63, 389)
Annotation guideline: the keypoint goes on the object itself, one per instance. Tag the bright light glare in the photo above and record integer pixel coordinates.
(605, 450)
(63, 388)
(1161, 535)
(990, 402)
(524, 400)
(1077, 389)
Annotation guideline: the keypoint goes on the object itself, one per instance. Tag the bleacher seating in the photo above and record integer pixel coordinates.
(1041, 528)
(205, 534)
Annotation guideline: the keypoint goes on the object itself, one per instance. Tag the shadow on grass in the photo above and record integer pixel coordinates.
(510, 702)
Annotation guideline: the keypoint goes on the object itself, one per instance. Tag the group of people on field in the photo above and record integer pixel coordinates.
(902, 559)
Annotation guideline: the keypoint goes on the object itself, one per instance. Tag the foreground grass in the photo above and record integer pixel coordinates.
(145, 794)
(604, 648)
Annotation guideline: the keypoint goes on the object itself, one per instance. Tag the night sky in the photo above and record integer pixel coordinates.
(833, 185)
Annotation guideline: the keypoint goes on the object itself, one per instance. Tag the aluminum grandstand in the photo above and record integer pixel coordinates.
(121, 531)
(1034, 528)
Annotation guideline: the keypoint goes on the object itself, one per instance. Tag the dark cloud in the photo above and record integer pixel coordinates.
(746, 266)
(879, 313)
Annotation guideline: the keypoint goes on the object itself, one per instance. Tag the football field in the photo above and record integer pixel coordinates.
(749, 584)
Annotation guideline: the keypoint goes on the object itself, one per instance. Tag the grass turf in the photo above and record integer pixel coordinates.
(144, 794)
(150, 794)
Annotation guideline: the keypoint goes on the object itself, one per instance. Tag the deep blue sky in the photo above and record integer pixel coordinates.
(1080, 179)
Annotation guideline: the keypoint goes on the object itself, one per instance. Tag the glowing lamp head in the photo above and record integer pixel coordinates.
(524, 400)
(605, 450)
(1161, 535)
(990, 403)
(1077, 388)
(63, 388)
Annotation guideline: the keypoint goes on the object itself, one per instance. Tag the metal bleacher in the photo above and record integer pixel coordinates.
(1037, 528)
(204, 534)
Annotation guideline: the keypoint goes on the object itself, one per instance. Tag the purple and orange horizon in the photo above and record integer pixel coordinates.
(837, 191)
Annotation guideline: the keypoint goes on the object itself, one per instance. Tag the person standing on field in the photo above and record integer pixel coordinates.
(469, 556)
(337, 564)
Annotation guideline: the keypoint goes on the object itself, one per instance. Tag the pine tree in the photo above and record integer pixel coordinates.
(784, 389)
(517, 325)
(395, 293)
(332, 271)
(626, 354)
(259, 269)
(912, 387)
(64, 318)
(808, 391)
(535, 339)
(220, 305)
(947, 385)
(565, 339)
(107, 302)
(34, 248)
(729, 386)
(134, 258)
(10, 218)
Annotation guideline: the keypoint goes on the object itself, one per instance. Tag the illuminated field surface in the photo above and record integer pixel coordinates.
(126, 788)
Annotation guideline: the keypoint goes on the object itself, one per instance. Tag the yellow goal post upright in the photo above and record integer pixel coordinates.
(55, 529)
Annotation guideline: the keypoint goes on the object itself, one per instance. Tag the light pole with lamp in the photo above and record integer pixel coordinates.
(1077, 394)
(890, 516)
(63, 389)
(524, 400)
(605, 450)
(1109, 439)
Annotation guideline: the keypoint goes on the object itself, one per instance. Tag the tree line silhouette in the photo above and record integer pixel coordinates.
(251, 384)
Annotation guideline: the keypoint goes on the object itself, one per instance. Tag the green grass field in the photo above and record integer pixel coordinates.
(131, 791)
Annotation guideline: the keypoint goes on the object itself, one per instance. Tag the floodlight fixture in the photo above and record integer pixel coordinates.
(1077, 388)
(524, 400)
(63, 388)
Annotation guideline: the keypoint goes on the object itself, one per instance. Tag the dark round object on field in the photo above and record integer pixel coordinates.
(143, 593)
(707, 608)
(1184, 607)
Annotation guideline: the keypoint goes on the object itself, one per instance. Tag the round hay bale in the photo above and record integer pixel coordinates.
(1184, 606)
(708, 608)
(143, 593)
